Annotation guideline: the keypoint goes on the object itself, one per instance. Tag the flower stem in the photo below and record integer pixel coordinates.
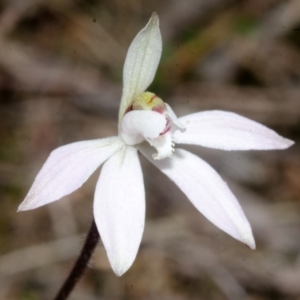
(81, 263)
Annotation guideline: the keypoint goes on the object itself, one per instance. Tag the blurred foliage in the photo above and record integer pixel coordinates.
(60, 81)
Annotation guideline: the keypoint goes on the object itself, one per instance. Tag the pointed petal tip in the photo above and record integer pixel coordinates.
(282, 144)
(119, 271)
(26, 205)
(23, 206)
(30, 202)
(154, 16)
(249, 241)
(288, 143)
(121, 265)
(154, 20)
(252, 247)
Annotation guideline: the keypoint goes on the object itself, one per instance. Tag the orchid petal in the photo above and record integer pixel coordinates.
(207, 191)
(67, 168)
(175, 122)
(228, 131)
(141, 63)
(138, 125)
(119, 208)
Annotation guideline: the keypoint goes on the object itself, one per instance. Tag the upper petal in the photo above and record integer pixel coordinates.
(67, 168)
(119, 208)
(207, 191)
(228, 131)
(138, 125)
(141, 63)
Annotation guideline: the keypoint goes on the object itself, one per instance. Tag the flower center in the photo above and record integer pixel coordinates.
(150, 118)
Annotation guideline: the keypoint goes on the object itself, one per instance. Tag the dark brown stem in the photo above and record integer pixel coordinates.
(81, 263)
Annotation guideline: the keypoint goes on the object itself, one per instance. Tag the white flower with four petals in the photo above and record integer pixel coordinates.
(149, 125)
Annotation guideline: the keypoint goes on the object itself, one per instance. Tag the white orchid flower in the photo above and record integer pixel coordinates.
(149, 125)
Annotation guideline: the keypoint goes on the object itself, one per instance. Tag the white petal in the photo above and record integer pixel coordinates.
(138, 125)
(176, 124)
(207, 191)
(119, 208)
(67, 168)
(228, 131)
(141, 63)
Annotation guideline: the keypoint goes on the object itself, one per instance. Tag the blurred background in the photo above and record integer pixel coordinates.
(60, 81)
